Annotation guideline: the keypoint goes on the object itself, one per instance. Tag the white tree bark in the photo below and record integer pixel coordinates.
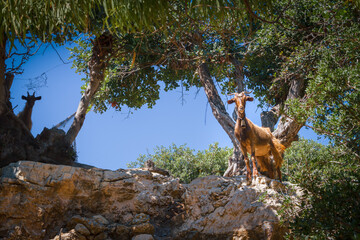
(236, 161)
(97, 66)
(288, 129)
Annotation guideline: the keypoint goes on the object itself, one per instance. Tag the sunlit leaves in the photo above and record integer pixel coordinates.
(142, 59)
(187, 164)
(53, 20)
(318, 43)
(330, 177)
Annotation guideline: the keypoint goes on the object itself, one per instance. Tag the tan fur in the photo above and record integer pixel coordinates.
(257, 141)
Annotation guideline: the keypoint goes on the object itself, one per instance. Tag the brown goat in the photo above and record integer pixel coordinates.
(257, 141)
(25, 115)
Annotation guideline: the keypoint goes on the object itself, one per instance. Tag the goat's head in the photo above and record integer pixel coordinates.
(240, 101)
(30, 99)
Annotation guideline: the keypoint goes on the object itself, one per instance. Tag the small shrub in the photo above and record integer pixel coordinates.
(186, 164)
(330, 177)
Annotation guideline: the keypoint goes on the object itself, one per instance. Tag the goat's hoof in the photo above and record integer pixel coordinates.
(248, 176)
(248, 181)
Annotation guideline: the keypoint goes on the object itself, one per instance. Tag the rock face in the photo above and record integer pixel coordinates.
(17, 142)
(45, 201)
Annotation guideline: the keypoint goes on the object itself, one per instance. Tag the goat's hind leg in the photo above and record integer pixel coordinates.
(277, 158)
(279, 173)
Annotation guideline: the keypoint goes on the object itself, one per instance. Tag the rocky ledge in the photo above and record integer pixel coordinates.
(45, 201)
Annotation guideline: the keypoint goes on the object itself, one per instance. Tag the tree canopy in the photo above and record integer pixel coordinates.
(171, 55)
(312, 41)
(300, 58)
(316, 42)
(104, 21)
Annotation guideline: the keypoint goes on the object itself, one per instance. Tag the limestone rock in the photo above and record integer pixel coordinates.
(93, 225)
(140, 218)
(122, 232)
(81, 229)
(71, 235)
(39, 199)
(219, 206)
(101, 220)
(143, 237)
(101, 236)
(143, 228)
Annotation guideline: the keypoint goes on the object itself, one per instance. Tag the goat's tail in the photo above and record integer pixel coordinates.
(277, 150)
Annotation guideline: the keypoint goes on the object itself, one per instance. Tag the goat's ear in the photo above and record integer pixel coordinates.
(23, 97)
(38, 98)
(231, 101)
(250, 99)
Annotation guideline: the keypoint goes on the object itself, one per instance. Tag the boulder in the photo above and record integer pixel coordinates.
(46, 201)
(143, 237)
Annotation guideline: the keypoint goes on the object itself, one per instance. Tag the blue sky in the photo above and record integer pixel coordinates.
(113, 139)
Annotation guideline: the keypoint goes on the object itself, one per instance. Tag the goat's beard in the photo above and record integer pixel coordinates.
(242, 123)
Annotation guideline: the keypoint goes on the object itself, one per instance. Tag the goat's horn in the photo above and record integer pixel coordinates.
(246, 92)
(230, 94)
(28, 94)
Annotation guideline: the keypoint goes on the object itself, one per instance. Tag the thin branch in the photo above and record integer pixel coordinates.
(317, 129)
(59, 54)
(249, 9)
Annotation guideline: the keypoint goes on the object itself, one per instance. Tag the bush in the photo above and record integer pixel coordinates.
(330, 177)
(186, 164)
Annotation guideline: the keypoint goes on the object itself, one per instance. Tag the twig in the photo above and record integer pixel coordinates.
(59, 54)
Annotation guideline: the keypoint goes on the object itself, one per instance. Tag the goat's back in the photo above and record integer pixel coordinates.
(261, 135)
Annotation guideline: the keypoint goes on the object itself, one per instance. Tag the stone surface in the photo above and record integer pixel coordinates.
(143, 228)
(218, 206)
(38, 201)
(143, 237)
(121, 232)
(140, 218)
(101, 220)
(81, 229)
(71, 235)
(101, 236)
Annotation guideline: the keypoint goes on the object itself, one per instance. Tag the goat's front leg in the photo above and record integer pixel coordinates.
(246, 159)
(255, 171)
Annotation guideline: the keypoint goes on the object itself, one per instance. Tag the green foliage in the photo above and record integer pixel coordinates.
(186, 164)
(141, 61)
(56, 20)
(331, 180)
(47, 21)
(315, 42)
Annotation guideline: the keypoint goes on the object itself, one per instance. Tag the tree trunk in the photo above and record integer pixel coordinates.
(9, 78)
(270, 118)
(236, 161)
(288, 129)
(236, 164)
(3, 100)
(97, 66)
(239, 74)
